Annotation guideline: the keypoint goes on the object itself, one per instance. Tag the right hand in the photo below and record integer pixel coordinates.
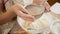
(21, 12)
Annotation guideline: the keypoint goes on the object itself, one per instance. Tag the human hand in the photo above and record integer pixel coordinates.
(21, 12)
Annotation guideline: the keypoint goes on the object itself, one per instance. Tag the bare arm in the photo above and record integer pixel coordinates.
(15, 10)
(5, 17)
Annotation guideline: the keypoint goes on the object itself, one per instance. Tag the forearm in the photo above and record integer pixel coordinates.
(8, 15)
(5, 17)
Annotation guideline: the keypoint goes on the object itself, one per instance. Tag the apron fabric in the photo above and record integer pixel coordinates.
(5, 28)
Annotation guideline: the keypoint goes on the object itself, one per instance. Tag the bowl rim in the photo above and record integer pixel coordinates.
(19, 18)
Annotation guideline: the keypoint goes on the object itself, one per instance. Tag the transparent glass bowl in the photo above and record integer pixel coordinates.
(32, 27)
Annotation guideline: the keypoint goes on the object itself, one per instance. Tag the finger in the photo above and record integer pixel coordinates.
(29, 18)
(25, 16)
(23, 9)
